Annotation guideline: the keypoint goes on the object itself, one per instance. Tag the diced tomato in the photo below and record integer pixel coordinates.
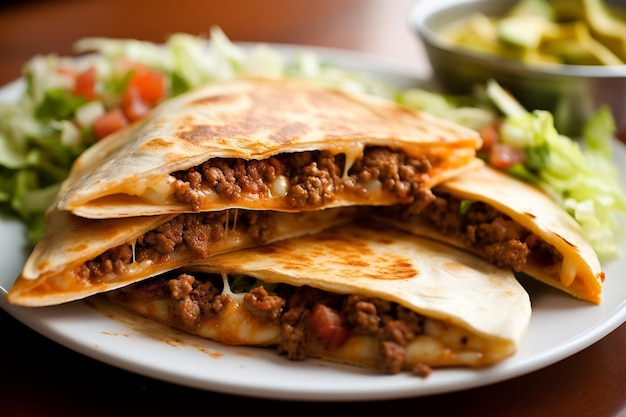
(85, 84)
(133, 105)
(325, 323)
(145, 88)
(109, 122)
(502, 155)
(149, 84)
(489, 135)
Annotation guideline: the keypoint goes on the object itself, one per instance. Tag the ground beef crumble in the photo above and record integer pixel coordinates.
(494, 235)
(195, 298)
(313, 178)
(193, 231)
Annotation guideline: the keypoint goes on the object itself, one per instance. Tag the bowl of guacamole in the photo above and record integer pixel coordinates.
(564, 56)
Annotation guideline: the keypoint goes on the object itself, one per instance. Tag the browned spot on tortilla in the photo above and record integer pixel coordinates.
(392, 267)
(78, 248)
(202, 133)
(288, 132)
(454, 267)
(532, 216)
(156, 144)
(294, 265)
(216, 99)
(43, 264)
(385, 241)
(565, 240)
(405, 270)
(359, 263)
(348, 252)
(273, 130)
(262, 115)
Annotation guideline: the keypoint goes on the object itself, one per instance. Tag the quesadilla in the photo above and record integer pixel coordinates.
(78, 257)
(234, 164)
(512, 224)
(358, 294)
(267, 144)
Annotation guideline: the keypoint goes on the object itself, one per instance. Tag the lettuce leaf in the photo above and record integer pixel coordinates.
(580, 175)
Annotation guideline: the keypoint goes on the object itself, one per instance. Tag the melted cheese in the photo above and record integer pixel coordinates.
(280, 186)
(568, 270)
(236, 297)
(353, 151)
(69, 283)
(441, 344)
(279, 189)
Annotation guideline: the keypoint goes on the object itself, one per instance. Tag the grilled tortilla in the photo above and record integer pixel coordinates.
(78, 257)
(267, 144)
(357, 294)
(514, 225)
(232, 165)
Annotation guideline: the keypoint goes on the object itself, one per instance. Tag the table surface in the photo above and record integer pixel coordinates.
(42, 378)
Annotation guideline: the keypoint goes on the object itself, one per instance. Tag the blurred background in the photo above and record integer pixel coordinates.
(47, 26)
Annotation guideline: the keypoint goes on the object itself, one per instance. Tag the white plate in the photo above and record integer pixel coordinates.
(560, 326)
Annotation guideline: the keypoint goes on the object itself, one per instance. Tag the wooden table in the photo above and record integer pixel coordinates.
(42, 378)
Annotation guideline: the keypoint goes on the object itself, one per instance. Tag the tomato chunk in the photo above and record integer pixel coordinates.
(490, 136)
(85, 84)
(502, 155)
(134, 106)
(150, 85)
(326, 323)
(109, 122)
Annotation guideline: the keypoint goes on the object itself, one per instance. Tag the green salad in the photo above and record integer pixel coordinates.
(66, 104)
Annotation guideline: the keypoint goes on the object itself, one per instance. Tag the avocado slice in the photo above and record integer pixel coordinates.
(577, 32)
(573, 44)
(525, 24)
(524, 31)
(604, 23)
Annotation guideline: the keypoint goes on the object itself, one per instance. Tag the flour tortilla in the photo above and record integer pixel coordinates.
(121, 188)
(578, 274)
(55, 271)
(476, 313)
(129, 173)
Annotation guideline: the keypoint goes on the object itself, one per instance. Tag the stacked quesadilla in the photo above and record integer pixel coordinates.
(358, 293)
(234, 164)
(264, 144)
(235, 212)
(512, 224)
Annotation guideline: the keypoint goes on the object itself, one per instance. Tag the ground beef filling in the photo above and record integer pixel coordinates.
(497, 237)
(189, 231)
(311, 179)
(306, 315)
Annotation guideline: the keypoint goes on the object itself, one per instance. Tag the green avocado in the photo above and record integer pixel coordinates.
(574, 44)
(575, 32)
(605, 24)
(525, 24)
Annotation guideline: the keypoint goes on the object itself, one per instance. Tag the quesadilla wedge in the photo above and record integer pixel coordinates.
(78, 257)
(358, 294)
(267, 144)
(512, 224)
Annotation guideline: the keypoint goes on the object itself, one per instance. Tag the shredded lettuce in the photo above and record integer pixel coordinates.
(580, 175)
(49, 127)
(456, 109)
